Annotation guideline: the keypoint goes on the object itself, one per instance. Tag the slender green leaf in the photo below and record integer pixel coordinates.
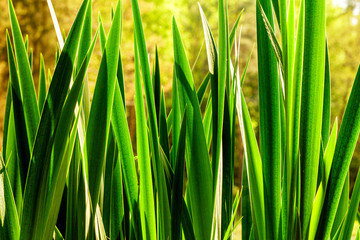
(198, 164)
(344, 149)
(27, 89)
(146, 200)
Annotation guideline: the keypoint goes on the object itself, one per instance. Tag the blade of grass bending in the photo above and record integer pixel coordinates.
(177, 189)
(348, 225)
(27, 89)
(197, 161)
(311, 105)
(154, 139)
(234, 29)
(101, 109)
(22, 140)
(253, 166)
(49, 120)
(42, 84)
(344, 149)
(146, 200)
(9, 220)
(270, 117)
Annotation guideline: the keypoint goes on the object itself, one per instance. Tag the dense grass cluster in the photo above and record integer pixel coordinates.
(63, 151)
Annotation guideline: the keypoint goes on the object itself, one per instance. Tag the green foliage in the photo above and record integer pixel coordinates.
(60, 148)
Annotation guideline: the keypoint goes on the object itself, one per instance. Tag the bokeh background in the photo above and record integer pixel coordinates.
(343, 33)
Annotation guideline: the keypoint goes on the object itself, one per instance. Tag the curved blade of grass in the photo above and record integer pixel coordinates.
(234, 28)
(201, 91)
(177, 189)
(311, 105)
(27, 89)
(49, 120)
(146, 200)
(344, 149)
(198, 164)
(101, 109)
(270, 117)
(9, 220)
(348, 225)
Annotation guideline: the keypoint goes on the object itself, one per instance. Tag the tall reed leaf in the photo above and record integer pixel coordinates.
(27, 89)
(40, 159)
(101, 108)
(270, 121)
(345, 146)
(146, 198)
(197, 161)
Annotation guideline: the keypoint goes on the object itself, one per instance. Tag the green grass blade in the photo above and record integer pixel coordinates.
(42, 84)
(49, 120)
(6, 118)
(101, 109)
(344, 149)
(157, 84)
(22, 141)
(311, 105)
(342, 207)
(325, 130)
(320, 194)
(164, 140)
(201, 91)
(154, 139)
(246, 222)
(270, 117)
(9, 226)
(177, 190)
(348, 225)
(117, 203)
(198, 164)
(27, 89)
(146, 200)
(234, 29)
(271, 34)
(253, 167)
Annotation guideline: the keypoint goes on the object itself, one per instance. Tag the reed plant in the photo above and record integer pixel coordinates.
(68, 169)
